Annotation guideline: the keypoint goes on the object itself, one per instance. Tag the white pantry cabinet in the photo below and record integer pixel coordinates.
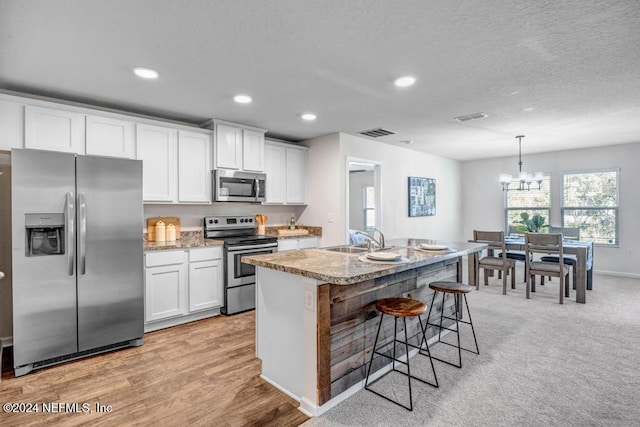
(194, 167)
(165, 285)
(110, 137)
(252, 150)
(285, 166)
(54, 129)
(156, 147)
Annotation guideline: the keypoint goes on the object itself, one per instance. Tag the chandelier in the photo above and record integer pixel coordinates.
(524, 179)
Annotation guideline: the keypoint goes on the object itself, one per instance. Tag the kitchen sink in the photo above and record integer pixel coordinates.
(353, 249)
(347, 249)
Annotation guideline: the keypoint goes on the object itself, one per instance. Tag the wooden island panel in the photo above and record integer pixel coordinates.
(353, 320)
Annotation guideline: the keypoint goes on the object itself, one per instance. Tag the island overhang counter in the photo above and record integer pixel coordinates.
(316, 319)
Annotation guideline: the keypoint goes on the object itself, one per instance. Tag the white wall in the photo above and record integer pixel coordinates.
(357, 183)
(483, 198)
(327, 178)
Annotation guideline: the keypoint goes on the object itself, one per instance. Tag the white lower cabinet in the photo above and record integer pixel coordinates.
(165, 285)
(295, 244)
(205, 278)
(182, 286)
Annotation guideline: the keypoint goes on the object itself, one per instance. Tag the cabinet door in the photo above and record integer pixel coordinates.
(205, 285)
(252, 151)
(156, 147)
(274, 167)
(165, 292)
(296, 180)
(110, 137)
(287, 245)
(308, 242)
(11, 125)
(194, 167)
(52, 129)
(228, 147)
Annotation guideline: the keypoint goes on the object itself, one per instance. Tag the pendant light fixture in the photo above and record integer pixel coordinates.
(524, 179)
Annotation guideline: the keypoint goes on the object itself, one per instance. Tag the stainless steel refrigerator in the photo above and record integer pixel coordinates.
(77, 256)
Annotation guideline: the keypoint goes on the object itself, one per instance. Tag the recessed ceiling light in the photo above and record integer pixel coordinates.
(242, 99)
(405, 81)
(308, 117)
(146, 73)
(528, 109)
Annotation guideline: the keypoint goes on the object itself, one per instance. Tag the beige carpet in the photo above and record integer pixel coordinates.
(540, 364)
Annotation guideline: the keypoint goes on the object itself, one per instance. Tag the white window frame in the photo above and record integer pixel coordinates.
(615, 208)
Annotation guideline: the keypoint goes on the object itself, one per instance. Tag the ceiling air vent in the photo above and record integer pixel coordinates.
(471, 117)
(377, 132)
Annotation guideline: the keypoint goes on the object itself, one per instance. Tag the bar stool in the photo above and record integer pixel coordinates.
(456, 289)
(401, 307)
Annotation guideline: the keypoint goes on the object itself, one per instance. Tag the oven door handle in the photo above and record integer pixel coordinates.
(244, 248)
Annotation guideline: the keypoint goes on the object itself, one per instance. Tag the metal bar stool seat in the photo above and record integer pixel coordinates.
(456, 289)
(401, 308)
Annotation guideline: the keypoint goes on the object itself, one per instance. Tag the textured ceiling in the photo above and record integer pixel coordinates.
(564, 73)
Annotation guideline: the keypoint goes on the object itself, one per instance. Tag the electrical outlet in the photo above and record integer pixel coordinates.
(308, 299)
(331, 218)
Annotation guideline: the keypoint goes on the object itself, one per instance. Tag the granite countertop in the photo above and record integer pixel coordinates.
(343, 268)
(188, 239)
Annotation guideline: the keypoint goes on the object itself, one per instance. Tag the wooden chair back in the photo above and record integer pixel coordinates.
(494, 239)
(568, 233)
(546, 243)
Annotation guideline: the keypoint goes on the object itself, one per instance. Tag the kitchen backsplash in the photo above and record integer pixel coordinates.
(191, 215)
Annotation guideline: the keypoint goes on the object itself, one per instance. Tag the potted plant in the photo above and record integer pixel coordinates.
(531, 224)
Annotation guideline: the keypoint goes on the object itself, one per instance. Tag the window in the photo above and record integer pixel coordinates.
(533, 201)
(369, 205)
(590, 202)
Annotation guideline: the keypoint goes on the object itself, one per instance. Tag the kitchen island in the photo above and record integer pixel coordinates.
(316, 319)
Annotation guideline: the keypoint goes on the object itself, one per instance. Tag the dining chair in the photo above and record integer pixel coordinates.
(515, 255)
(568, 233)
(545, 243)
(495, 241)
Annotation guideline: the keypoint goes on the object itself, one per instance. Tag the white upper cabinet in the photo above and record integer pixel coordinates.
(252, 150)
(296, 180)
(285, 166)
(228, 147)
(54, 129)
(156, 147)
(110, 137)
(11, 125)
(275, 168)
(238, 147)
(194, 167)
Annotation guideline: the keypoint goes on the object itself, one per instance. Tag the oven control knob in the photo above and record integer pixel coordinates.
(250, 219)
(215, 221)
(241, 220)
(210, 221)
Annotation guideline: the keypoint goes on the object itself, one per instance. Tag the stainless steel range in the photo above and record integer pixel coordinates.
(238, 234)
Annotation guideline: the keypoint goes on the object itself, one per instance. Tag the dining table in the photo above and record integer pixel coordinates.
(584, 262)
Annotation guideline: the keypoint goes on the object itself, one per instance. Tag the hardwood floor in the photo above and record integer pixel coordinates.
(203, 373)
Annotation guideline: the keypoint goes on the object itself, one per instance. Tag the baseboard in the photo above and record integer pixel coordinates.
(279, 387)
(618, 274)
(6, 341)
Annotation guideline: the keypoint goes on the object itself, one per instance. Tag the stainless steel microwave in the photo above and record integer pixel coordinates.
(236, 186)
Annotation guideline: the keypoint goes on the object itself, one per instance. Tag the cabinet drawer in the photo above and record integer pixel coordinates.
(308, 242)
(156, 258)
(205, 254)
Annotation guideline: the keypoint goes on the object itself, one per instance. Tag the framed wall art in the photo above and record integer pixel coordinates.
(422, 196)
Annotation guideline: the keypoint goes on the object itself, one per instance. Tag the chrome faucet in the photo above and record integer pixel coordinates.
(371, 239)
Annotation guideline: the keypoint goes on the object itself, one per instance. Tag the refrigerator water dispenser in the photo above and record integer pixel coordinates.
(44, 234)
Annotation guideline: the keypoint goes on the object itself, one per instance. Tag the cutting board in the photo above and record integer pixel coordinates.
(296, 232)
(151, 226)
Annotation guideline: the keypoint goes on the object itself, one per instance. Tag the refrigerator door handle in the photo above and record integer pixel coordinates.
(82, 229)
(70, 216)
